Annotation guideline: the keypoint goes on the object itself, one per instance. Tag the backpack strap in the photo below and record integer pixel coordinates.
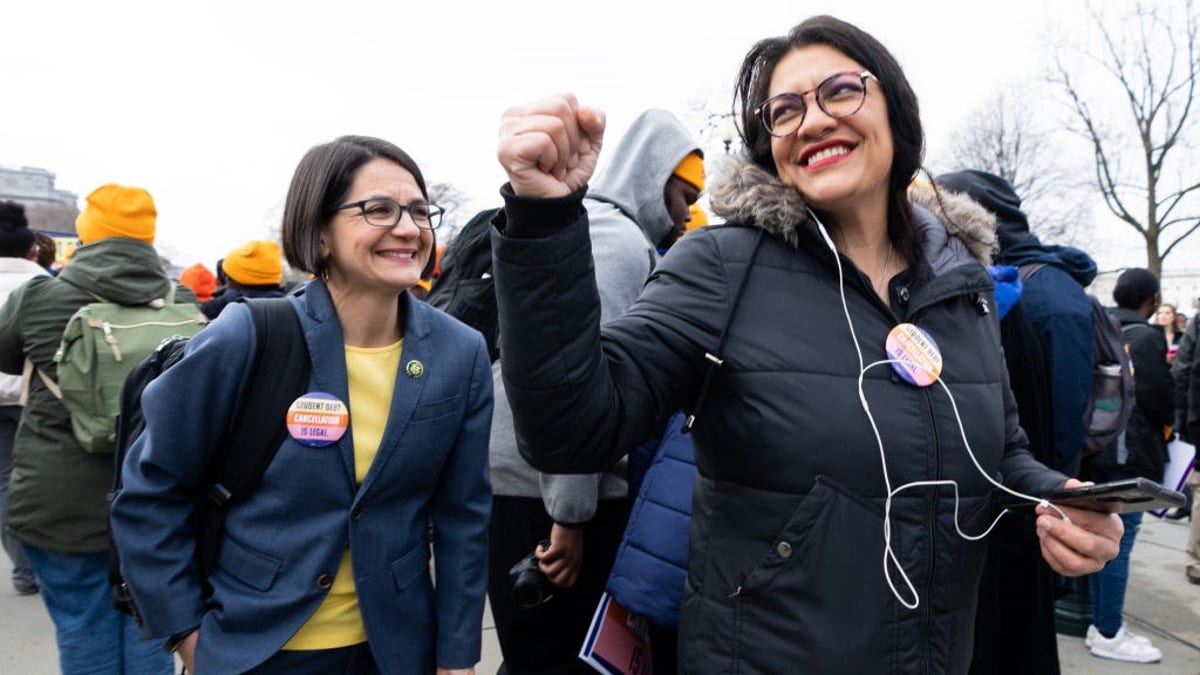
(1026, 271)
(714, 358)
(27, 377)
(279, 375)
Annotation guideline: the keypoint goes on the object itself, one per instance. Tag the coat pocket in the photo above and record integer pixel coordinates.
(434, 409)
(818, 595)
(255, 569)
(409, 567)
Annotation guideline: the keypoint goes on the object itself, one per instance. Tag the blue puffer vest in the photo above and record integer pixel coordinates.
(651, 566)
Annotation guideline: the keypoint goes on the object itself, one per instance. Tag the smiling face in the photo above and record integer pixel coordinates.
(839, 165)
(1165, 315)
(370, 259)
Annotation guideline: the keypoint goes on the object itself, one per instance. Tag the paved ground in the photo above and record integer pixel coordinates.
(1161, 605)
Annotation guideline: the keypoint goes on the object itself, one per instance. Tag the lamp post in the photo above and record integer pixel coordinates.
(728, 131)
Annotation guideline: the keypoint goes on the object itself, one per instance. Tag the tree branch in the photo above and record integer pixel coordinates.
(1190, 231)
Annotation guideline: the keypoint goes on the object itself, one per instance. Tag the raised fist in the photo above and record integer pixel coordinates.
(549, 148)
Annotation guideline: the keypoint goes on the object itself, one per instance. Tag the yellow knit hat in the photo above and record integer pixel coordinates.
(255, 263)
(117, 211)
(699, 217)
(691, 169)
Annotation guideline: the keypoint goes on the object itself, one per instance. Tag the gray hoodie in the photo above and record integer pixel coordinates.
(627, 217)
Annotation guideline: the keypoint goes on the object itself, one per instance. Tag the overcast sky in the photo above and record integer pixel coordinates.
(210, 105)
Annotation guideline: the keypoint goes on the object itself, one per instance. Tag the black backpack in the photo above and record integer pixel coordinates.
(278, 376)
(1113, 395)
(1113, 391)
(465, 289)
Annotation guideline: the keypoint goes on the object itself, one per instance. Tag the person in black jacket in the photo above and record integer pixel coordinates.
(1186, 374)
(1014, 625)
(1141, 451)
(832, 496)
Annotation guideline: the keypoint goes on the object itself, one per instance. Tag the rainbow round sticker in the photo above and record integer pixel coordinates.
(317, 419)
(915, 356)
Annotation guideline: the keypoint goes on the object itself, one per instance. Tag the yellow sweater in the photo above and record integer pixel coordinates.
(371, 373)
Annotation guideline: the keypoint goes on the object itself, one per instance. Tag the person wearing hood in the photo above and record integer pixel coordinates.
(835, 346)
(1014, 623)
(1053, 299)
(638, 204)
(57, 506)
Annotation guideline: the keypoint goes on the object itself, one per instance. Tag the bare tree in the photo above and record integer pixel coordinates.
(1008, 140)
(454, 200)
(1148, 57)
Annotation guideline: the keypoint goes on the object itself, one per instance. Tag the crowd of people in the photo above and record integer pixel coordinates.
(781, 439)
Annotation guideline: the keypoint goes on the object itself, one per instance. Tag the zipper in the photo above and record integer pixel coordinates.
(112, 339)
(933, 500)
(143, 324)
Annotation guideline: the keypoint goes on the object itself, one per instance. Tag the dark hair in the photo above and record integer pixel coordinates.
(1134, 287)
(15, 236)
(47, 249)
(321, 182)
(908, 138)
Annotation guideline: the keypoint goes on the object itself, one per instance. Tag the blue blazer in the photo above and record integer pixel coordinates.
(431, 466)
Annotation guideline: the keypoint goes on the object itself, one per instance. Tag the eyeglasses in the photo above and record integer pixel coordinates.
(840, 95)
(386, 212)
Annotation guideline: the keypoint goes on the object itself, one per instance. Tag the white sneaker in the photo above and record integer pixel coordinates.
(1124, 647)
(1093, 633)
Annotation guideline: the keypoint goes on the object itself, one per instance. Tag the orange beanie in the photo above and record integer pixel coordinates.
(117, 211)
(691, 169)
(255, 263)
(200, 280)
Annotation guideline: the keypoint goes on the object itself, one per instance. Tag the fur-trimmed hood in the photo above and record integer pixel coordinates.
(952, 227)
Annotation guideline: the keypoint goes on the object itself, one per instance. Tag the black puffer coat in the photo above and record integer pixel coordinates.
(787, 544)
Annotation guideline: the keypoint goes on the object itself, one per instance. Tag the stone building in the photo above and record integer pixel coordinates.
(48, 209)
(1179, 287)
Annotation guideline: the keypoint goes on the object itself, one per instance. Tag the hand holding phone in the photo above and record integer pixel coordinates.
(1122, 496)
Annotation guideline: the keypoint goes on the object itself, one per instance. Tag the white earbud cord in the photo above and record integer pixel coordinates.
(888, 552)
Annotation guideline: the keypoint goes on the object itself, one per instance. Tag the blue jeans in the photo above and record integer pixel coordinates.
(1108, 585)
(22, 573)
(93, 638)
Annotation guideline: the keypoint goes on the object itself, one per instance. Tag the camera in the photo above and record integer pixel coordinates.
(530, 586)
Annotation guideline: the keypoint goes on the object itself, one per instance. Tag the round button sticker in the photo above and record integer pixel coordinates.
(317, 419)
(915, 356)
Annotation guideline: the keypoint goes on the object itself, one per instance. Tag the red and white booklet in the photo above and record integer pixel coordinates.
(618, 642)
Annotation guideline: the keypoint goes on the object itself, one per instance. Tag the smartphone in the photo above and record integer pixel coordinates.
(1134, 494)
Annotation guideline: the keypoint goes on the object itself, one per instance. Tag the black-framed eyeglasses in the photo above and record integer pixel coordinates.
(840, 95)
(386, 212)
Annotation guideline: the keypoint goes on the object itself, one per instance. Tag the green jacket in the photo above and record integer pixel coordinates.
(57, 489)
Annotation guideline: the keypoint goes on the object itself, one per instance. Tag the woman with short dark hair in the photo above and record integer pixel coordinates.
(325, 566)
(837, 351)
